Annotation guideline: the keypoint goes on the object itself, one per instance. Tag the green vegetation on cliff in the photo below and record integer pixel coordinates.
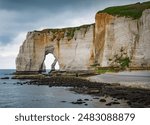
(68, 32)
(102, 71)
(134, 10)
(71, 30)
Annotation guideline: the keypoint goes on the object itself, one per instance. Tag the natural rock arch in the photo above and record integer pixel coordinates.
(72, 48)
(50, 50)
(77, 48)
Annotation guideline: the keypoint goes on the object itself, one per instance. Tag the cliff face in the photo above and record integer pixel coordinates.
(112, 41)
(72, 48)
(119, 39)
(102, 20)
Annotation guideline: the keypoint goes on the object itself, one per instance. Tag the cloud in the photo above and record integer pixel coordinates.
(12, 49)
(45, 4)
(17, 17)
(35, 14)
(25, 15)
(9, 52)
(7, 62)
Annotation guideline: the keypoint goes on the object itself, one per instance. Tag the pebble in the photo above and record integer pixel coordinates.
(115, 102)
(77, 103)
(102, 100)
(79, 100)
(86, 99)
(108, 104)
(86, 104)
(4, 78)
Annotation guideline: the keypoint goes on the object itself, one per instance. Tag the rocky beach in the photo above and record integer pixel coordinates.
(134, 97)
(107, 61)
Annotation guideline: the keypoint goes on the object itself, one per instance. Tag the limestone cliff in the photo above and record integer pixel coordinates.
(72, 48)
(119, 38)
(115, 40)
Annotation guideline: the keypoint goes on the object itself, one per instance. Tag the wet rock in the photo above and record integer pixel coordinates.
(50, 86)
(4, 78)
(4, 82)
(108, 104)
(79, 100)
(102, 100)
(18, 82)
(86, 99)
(129, 103)
(77, 103)
(115, 102)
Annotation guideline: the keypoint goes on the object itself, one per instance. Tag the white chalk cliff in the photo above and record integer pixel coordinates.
(121, 37)
(106, 42)
(71, 47)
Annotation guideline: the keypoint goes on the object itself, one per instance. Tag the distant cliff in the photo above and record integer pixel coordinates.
(120, 37)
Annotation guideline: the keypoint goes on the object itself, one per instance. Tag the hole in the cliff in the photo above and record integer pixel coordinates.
(49, 61)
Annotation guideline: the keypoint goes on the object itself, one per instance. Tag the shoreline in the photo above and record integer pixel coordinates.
(135, 97)
(134, 79)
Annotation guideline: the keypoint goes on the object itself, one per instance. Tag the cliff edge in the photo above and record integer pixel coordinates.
(71, 47)
(120, 38)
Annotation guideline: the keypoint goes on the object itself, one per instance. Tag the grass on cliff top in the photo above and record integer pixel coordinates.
(69, 29)
(61, 32)
(134, 10)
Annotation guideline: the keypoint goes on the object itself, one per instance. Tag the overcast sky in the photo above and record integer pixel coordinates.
(17, 17)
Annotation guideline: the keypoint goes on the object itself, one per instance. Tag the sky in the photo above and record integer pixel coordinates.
(17, 17)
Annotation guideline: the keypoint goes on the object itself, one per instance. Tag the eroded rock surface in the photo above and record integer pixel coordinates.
(111, 41)
(121, 37)
(72, 48)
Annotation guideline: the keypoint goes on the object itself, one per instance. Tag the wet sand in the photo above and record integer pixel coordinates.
(136, 79)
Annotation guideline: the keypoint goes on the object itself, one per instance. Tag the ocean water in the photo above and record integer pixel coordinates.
(32, 96)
